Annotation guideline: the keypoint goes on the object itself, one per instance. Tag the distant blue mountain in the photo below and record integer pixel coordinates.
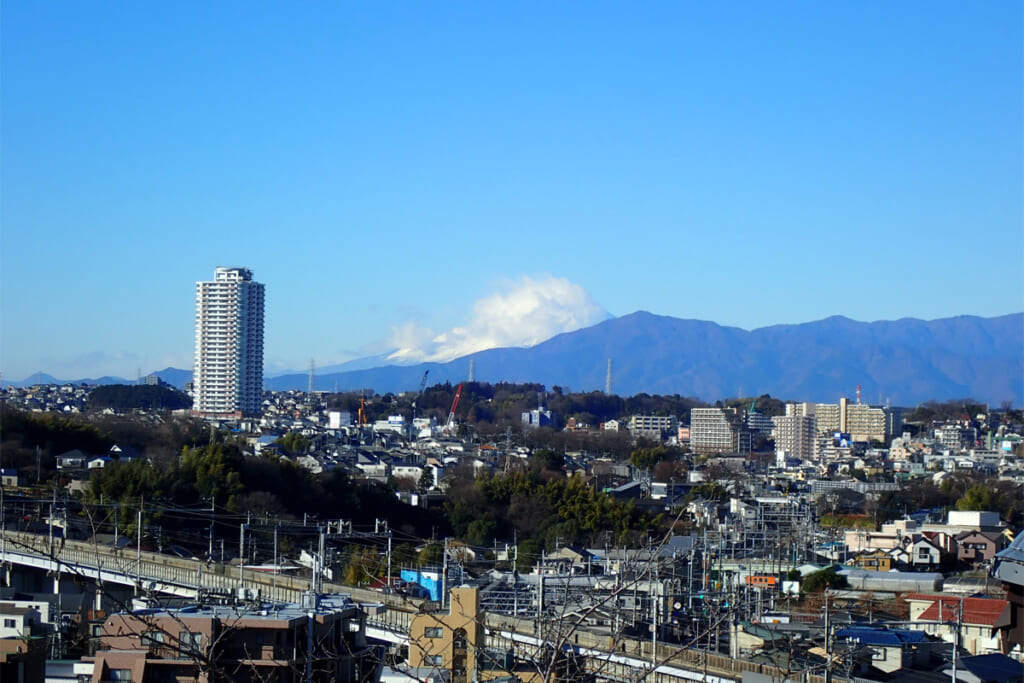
(43, 378)
(173, 376)
(904, 361)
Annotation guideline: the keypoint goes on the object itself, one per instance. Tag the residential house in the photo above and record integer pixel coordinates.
(874, 560)
(977, 548)
(924, 554)
(22, 643)
(890, 650)
(983, 623)
(9, 477)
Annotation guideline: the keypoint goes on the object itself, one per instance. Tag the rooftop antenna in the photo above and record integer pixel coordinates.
(472, 369)
(608, 379)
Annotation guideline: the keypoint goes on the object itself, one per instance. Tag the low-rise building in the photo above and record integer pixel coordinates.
(321, 640)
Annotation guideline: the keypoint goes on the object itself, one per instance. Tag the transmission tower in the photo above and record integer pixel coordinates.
(472, 369)
(309, 391)
(608, 379)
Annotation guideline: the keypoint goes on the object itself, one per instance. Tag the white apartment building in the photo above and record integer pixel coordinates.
(227, 372)
(795, 435)
(652, 426)
(710, 431)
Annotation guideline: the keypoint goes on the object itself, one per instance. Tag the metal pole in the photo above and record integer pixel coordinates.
(213, 520)
(138, 545)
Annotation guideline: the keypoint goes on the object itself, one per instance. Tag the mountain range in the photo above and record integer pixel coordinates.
(905, 361)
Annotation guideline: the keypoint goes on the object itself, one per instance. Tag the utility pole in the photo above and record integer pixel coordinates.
(320, 575)
(277, 569)
(389, 558)
(138, 545)
(241, 555)
(654, 614)
(828, 643)
(956, 637)
(213, 518)
(444, 576)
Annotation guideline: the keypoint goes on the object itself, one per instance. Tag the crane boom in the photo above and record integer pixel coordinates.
(423, 383)
(455, 404)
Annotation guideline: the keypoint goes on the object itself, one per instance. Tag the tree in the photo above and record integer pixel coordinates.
(294, 443)
(977, 497)
(821, 580)
(426, 481)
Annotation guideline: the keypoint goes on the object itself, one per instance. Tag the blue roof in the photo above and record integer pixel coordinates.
(1015, 551)
(866, 635)
(995, 667)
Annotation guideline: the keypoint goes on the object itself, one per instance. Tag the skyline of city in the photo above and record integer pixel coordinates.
(429, 182)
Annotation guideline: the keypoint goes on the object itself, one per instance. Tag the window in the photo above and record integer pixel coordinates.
(152, 638)
(119, 675)
(434, 660)
(923, 553)
(433, 632)
(189, 643)
(10, 623)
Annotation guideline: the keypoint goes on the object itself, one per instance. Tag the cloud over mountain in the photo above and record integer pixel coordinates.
(524, 312)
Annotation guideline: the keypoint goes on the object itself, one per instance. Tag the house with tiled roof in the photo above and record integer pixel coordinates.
(983, 623)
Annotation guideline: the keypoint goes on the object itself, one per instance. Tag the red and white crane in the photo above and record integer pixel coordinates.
(451, 415)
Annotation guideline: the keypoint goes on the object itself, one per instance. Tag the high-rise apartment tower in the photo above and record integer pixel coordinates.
(227, 373)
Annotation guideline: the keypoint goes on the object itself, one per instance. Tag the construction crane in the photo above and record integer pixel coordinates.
(451, 415)
(423, 384)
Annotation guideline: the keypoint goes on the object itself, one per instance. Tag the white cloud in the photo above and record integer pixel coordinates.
(527, 312)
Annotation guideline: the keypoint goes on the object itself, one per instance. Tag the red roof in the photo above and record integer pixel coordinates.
(977, 611)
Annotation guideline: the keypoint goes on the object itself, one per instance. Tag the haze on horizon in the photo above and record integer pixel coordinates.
(424, 182)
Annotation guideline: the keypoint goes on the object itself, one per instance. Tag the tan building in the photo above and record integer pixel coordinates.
(451, 646)
(861, 421)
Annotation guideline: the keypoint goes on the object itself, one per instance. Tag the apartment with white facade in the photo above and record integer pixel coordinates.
(227, 371)
(710, 431)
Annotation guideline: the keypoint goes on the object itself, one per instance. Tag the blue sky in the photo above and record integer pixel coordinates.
(400, 175)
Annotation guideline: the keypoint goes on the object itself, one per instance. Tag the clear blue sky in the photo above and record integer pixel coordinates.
(381, 164)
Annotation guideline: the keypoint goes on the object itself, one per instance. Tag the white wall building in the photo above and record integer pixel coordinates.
(795, 435)
(710, 431)
(227, 372)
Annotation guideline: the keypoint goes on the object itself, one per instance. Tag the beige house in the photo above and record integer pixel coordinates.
(983, 623)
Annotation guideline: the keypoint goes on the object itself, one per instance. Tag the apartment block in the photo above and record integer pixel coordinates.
(711, 431)
(227, 370)
(652, 426)
(795, 435)
(321, 640)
